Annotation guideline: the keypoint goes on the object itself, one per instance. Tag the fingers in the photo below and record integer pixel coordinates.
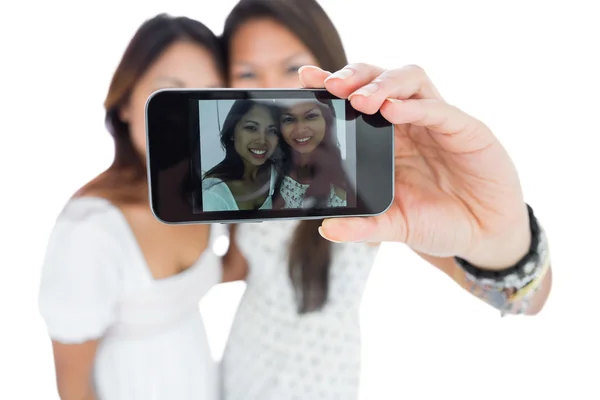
(344, 82)
(457, 131)
(404, 96)
(367, 87)
(312, 77)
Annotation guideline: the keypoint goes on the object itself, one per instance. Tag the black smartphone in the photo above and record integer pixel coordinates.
(237, 155)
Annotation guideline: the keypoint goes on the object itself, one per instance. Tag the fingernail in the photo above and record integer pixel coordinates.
(325, 237)
(394, 101)
(365, 91)
(341, 74)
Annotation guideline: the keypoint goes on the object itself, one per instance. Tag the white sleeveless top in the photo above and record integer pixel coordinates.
(293, 193)
(275, 354)
(96, 285)
(216, 195)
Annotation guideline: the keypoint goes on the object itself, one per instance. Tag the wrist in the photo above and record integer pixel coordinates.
(504, 250)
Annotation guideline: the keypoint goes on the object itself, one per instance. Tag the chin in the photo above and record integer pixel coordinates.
(255, 162)
(304, 150)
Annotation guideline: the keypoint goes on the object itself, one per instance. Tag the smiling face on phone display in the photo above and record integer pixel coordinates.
(303, 126)
(255, 136)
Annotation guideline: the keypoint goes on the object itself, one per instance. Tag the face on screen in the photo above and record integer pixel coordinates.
(303, 126)
(255, 136)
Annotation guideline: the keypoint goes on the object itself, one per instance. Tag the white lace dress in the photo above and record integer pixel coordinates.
(97, 285)
(275, 354)
(293, 193)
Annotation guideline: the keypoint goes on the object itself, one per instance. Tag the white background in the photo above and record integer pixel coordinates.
(529, 69)
(211, 123)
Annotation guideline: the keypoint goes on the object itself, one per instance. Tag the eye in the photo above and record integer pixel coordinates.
(245, 75)
(287, 120)
(250, 128)
(293, 69)
(273, 131)
(312, 116)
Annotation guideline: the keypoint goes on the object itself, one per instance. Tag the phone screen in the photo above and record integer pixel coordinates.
(265, 154)
(275, 154)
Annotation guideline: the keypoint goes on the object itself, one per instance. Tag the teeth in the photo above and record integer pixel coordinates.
(302, 140)
(258, 152)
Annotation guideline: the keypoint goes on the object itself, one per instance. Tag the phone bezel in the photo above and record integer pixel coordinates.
(169, 157)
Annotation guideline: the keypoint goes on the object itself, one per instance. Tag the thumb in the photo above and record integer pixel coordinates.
(312, 77)
(350, 229)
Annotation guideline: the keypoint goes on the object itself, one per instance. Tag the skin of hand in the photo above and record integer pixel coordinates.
(457, 191)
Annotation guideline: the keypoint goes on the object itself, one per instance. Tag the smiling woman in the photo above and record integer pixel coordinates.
(248, 175)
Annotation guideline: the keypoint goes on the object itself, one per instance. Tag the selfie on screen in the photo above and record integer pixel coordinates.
(274, 154)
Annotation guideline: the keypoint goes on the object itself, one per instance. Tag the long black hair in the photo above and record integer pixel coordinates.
(310, 254)
(232, 166)
(327, 161)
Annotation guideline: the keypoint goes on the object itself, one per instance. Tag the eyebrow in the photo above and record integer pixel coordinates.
(303, 112)
(173, 80)
(254, 122)
(284, 61)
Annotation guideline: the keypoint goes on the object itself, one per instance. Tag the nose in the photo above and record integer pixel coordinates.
(262, 136)
(277, 80)
(301, 126)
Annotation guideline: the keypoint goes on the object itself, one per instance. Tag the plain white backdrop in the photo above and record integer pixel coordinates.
(529, 69)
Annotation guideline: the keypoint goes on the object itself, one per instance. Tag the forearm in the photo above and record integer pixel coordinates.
(531, 304)
(87, 395)
(75, 389)
(74, 370)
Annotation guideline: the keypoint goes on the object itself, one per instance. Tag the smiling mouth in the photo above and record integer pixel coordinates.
(302, 140)
(258, 153)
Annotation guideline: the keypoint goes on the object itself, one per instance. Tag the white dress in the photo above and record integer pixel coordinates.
(216, 195)
(97, 285)
(273, 353)
(293, 193)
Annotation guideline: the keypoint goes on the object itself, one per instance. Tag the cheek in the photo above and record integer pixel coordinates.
(290, 81)
(238, 83)
(137, 129)
(273, 141)
(286, 132)
(239, 141)
(319, 127)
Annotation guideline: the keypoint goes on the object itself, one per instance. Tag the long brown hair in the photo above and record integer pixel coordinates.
(125, 180)
(310, 254)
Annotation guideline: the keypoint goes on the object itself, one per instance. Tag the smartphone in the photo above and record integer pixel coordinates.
(234, 156)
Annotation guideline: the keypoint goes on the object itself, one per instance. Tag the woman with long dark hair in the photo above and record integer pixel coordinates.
(458, 204)
(247, 177)
(314, 175)
(120, 290)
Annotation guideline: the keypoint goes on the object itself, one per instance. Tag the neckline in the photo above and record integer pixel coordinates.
(138, 250)
(272, 181)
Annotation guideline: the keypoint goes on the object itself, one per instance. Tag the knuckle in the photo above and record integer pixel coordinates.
(417, 69)
(362, 67)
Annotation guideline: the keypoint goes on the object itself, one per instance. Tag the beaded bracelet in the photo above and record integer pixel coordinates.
(519, 282)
